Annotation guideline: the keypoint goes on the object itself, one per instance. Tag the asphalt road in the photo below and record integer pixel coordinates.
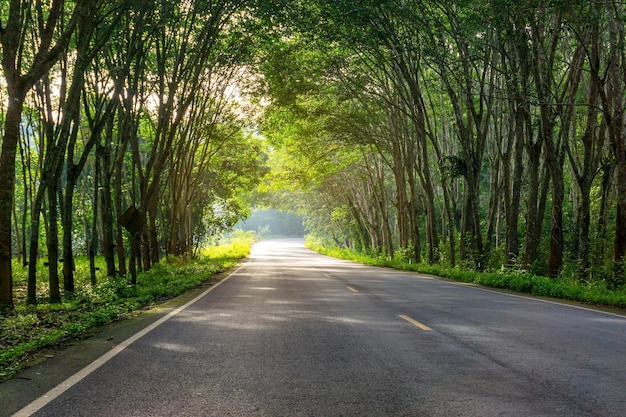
(293, 333)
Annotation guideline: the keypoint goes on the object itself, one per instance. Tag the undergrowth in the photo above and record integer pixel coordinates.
(31, 328)
(514, 280)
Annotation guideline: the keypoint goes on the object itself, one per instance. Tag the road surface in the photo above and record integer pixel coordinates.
(292, 333)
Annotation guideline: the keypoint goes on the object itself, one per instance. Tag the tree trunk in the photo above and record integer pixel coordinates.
(119, 233)
(619, 256)
(35, 216)
(585, 175)
(513, 208)
(11, 137)
(494, 207)
(451, 224)
(534, 216)
(470, 229)
(67, 220)
(401, 203)
(145, 250)
(46, 53)
(93, 242)
(134, 256)
(152, 240)
(620, 222)
(617, 126)
(52, 241)
(555, 259)
(426, 181)
(518, 85)
(27, 180)
(18, 237)
(104, 153)
(608, 172)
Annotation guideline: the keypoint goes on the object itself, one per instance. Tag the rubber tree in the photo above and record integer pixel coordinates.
(612, 78)
(185, 42)
(27, 54)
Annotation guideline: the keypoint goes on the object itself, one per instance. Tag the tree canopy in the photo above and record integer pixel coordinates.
(487, 134)
(483, 133)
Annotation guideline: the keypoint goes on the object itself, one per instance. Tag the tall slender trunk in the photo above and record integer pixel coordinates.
(146, 263)
(46, 53)
(534, 216)
(134, 255)
(11, 137)
(470, 229)
(592, 145)
(35, 221)
(152, 240)
(617, 127)
(93, 242)
(494, 207)
(18, 237)
(67, 213)
(518, 86)
(432, 237)
(27, 179)
(67, 220)
(555, 258)
(52, 242)
(117, 186)
(513, 208)
(619, 254)
(608, 172)
(426, 181)
(451, 223)
(104, 153)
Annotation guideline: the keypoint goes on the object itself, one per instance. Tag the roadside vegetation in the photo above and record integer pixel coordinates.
(567, 286)
(29, 329)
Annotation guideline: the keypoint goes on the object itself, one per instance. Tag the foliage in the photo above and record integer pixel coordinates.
(235, 246)
(472, 129)
(28, 330)
(453, 167)
(156, 116)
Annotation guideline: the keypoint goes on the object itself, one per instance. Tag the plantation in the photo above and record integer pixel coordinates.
(482, 141)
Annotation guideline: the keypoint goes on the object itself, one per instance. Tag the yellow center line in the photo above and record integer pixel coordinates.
(415, 322)
(352, 289)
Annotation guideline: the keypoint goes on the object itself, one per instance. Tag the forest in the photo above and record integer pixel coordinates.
(486, 135)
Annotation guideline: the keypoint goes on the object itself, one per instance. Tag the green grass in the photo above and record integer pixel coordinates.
(520, 281)
(31, 328)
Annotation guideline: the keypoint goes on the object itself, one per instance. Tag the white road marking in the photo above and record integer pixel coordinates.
(55, 392)
(531, 297)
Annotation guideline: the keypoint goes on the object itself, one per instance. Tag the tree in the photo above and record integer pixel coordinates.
(613, 82)
(21, 72)
(467, 82)
(186, 40)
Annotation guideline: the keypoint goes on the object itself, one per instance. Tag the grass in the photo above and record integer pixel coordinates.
(29, 329)
(565, 288)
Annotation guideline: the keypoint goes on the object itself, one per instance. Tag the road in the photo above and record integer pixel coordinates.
(292, 333)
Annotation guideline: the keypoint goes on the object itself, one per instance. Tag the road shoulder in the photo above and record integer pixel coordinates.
(55, 366)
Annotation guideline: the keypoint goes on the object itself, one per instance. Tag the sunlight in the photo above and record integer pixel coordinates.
(175, 347)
